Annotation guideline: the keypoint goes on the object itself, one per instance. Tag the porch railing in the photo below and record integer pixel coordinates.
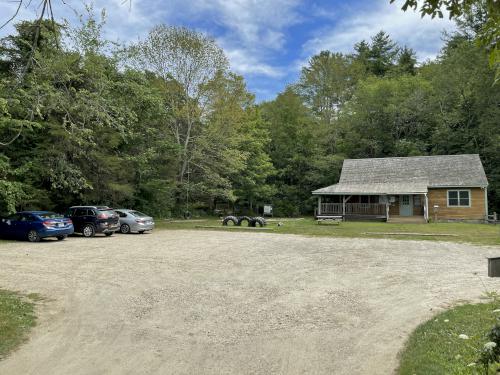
(353, 209)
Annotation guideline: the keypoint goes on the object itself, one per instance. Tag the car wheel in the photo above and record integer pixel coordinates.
(60, 238)
(124, 228)
(33, 236)
(107, 234)
(88, 230)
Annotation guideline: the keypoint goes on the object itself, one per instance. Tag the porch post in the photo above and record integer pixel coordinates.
(486, 203)
(343, 206)
(426, 208)
(319, 205)
(386, 208)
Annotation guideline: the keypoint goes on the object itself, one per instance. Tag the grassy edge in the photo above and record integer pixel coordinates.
(434, 347)
(477, 234)
(17, 318)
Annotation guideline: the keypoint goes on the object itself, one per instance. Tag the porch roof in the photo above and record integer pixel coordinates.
(393, 188)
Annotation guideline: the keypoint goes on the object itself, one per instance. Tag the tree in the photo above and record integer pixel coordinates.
(378, 57)
(297, 153)
(489, 31)
(406, 61)
(389, 117)
(382, 54)
(186, 61)
(82, 112)
(362, 53)
(327, 83)
(467, 107)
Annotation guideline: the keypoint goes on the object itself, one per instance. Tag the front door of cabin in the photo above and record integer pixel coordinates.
(406, 205)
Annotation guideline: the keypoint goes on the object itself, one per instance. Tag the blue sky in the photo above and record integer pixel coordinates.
(266, 41)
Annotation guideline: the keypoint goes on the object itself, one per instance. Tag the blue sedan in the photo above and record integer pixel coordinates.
(35, 225)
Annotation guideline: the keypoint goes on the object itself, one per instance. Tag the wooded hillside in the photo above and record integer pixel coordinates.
(164, 125)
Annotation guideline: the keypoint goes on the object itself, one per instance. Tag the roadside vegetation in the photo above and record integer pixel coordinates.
(453, 342)
(17, 317)
(482, 234)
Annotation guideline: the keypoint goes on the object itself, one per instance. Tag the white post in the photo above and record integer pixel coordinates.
(387, 210)
(426, 208)
(343, 206)
(319, 205)
(486, 203)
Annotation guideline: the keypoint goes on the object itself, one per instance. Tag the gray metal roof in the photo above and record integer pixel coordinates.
(374, 189)
(402, 175)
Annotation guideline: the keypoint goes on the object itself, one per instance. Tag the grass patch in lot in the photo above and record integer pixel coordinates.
(435, 347)
(17, 317)
(484, 234)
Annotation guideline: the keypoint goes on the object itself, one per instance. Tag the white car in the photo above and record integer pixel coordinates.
(134, 221)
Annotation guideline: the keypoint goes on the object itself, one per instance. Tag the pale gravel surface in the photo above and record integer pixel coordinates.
(202, 302)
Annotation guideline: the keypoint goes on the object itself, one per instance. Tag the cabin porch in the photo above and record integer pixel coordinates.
(391, 208)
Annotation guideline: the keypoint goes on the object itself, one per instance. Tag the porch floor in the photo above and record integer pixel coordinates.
(406, 219)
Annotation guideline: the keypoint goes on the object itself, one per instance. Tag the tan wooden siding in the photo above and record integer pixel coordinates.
(418, 209)
(440, 197)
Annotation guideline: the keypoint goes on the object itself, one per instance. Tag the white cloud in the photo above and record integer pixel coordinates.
(244, 63)
(253, 31)
(124, 21)
(253, 23)
(127, 21)
(250, 31)
(407, 28)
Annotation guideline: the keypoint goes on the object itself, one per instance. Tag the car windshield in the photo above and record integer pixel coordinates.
(50, 215)
(138, 214)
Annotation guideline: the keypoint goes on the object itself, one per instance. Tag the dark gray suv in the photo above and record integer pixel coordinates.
(89, 220)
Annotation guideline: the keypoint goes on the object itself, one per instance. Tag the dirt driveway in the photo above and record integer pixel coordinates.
(185, 302)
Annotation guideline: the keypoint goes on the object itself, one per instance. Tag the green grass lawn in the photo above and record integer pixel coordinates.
(17, 316)
(435, 347)
(484, 234)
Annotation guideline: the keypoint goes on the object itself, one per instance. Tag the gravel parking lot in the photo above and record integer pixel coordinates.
(202, 302)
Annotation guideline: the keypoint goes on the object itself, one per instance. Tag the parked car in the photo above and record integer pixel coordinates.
(90, 220)
(134, 221)
(35, 225)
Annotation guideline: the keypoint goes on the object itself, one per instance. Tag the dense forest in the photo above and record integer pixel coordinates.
(164, 125)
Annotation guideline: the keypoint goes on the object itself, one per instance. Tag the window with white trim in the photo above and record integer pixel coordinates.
(458, 198)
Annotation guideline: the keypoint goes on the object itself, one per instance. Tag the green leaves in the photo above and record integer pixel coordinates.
(488, 32)
(12, 192)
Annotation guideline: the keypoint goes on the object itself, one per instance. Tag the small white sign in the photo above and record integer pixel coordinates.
(268, 209)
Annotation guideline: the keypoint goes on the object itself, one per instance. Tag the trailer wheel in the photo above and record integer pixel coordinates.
(241, 219)
(230, 219)
(258, 221)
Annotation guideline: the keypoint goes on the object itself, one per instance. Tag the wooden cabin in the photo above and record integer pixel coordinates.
(412, 189)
